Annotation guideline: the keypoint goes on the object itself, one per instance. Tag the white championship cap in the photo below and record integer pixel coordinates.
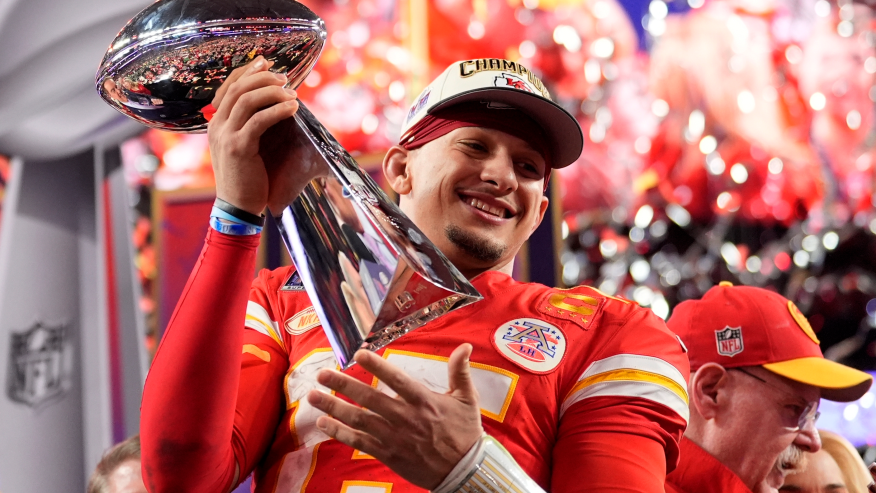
(501, 84)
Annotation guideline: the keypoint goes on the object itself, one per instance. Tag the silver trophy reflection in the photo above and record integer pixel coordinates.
(371, 274)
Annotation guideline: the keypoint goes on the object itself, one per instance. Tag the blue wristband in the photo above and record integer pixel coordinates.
(234, 229)
(217, 212)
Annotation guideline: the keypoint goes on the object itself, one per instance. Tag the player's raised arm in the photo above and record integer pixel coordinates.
(188, 408)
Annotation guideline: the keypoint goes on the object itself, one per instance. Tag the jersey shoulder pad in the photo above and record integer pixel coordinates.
(581, 305)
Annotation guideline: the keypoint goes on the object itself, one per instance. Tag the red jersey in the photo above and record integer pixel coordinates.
(700, 472)
(552, 367)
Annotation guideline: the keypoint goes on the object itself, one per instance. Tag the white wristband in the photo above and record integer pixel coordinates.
(463, 470)
(488, 468)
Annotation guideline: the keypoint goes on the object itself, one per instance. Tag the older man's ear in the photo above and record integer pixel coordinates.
(707, 386)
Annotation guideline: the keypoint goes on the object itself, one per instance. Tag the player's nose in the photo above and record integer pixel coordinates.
(498, 170)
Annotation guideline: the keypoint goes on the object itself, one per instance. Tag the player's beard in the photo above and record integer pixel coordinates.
(479, 247)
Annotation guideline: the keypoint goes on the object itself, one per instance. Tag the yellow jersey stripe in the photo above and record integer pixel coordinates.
(628, 374)
(257, 352)
(636, 362)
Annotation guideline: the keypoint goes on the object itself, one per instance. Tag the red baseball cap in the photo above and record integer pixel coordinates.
(747, 326)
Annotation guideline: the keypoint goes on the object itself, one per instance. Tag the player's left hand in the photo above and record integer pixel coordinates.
(420, 434)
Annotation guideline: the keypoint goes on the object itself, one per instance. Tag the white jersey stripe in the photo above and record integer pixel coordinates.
(632, 375)
(257, 318)
(635, 362)
(645, 390)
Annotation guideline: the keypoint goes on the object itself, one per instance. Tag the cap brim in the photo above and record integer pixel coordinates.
(837, 382)
(561, 128)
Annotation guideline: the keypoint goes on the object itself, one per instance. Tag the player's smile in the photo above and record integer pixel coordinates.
(487, 207)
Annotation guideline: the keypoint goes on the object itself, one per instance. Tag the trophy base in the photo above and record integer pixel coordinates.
(380, 338)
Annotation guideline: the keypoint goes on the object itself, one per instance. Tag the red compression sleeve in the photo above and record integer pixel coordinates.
(187, 414)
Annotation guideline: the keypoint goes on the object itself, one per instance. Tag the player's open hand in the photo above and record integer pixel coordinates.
(419, 434)
(255, 160)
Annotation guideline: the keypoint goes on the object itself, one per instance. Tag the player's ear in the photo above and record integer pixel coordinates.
(396, 169)
(542, 208)
(708, 387)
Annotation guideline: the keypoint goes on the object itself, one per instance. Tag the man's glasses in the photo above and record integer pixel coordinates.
(810, 410)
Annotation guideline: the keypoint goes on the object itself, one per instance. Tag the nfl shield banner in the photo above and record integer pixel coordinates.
(39, 365)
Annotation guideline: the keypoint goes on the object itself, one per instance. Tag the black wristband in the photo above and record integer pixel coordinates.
(239, 213)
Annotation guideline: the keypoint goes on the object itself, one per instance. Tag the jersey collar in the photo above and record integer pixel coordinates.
(700, 472)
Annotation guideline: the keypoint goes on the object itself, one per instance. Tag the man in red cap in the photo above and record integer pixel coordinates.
(757, 377)
(530, 389)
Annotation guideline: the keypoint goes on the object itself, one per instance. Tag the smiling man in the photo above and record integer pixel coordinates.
(758, 377)
(530, 389)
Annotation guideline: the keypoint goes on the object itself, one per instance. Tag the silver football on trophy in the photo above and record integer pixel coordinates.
(167, 62)
(371, 274)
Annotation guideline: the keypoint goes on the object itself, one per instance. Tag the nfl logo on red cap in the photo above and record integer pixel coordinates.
(729, 341)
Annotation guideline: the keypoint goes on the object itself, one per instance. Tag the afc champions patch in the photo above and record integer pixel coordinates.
(729, 340)
(532, 344)
(302, 321)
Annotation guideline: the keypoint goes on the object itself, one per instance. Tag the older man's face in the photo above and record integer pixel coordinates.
(764, 415)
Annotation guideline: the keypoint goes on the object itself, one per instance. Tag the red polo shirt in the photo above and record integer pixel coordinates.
(700, 472)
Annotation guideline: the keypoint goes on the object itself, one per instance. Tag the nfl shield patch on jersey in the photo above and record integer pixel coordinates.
(532, 344)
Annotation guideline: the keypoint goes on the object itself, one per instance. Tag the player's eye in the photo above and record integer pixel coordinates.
(530, 169)
(474, 145)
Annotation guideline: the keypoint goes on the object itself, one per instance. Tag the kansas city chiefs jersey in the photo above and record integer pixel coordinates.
(546, 362)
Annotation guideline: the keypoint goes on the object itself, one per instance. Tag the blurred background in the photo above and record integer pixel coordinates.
(725, 140)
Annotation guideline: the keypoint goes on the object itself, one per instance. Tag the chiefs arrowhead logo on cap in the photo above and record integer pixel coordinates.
(512, 81)
(798, 317)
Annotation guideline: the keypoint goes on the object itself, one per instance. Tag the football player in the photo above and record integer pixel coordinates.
(533, 388)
